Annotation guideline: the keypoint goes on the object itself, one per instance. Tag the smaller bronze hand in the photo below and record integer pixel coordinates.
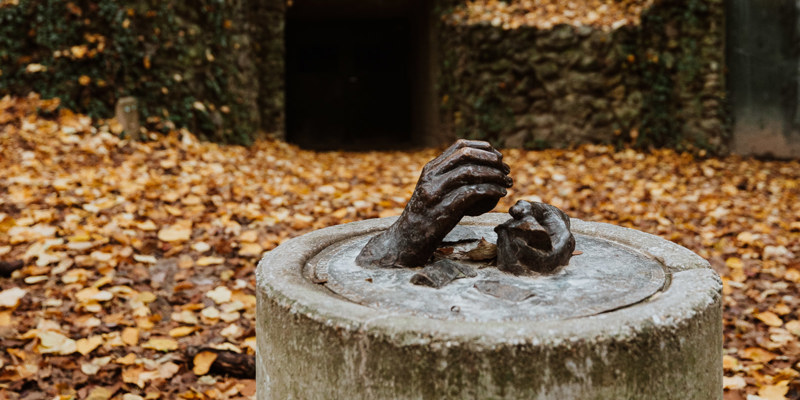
(469, 178)
(536, 239)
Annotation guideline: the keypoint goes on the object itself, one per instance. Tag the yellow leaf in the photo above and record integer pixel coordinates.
(220, 294)
(746, 238)
(33, 68)
(11, 297)
(146, 297)
(729, 362)
(92, 294)
(84, 80)
(251, 250)
(733, 382)
(147, 259)
(79, 51)
(249, 236)
(175, 233)
(129, 359)
(147, 225)
(87, 345)
(792, 275)
(793, 327)
(203, 361)
(734, 263)
(774, 392)
(99, 393)
(5, 318)
(161, 344)
(130, 336)
(769, 318)
(54, 342)
(182, 331)
(206, 261)
(757, 354)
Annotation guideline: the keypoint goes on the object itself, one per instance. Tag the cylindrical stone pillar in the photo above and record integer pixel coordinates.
(632, 317)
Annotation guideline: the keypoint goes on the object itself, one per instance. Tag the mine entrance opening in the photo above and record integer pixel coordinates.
(350, 81)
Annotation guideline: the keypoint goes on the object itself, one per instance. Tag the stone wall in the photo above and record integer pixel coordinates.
(654, 83)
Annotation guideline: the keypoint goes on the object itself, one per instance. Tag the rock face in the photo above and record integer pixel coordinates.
(659, 82)
(322, 342)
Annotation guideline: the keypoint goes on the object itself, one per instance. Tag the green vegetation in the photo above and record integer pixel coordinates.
(175, 58)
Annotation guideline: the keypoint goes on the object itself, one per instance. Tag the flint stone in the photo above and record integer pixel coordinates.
(315, 344)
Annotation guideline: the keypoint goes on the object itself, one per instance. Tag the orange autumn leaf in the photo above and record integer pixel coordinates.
(203, 361)
(757, 354)
(770, 318)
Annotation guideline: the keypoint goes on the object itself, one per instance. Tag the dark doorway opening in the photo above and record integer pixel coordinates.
(351, 78)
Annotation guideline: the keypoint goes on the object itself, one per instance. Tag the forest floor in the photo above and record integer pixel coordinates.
(133, 262)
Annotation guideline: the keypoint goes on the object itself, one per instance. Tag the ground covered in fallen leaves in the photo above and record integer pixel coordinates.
(545, 14)
(133, 263)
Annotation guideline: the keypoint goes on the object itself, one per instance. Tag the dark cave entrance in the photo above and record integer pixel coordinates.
(352, 74)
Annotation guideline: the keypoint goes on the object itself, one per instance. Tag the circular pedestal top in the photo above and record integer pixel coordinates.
(604, 276)
(325, 331)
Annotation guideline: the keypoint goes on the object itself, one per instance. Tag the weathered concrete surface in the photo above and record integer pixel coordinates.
(314, 345)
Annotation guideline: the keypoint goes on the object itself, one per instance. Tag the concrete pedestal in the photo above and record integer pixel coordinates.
(323, 335)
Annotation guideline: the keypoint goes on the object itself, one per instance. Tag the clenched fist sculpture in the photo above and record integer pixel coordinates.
(536, 239)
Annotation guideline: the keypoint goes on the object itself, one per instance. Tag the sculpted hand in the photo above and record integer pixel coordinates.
(537, 239)
(469, 178)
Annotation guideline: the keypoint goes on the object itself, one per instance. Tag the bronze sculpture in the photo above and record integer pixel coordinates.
(469, 178)
(536, 239)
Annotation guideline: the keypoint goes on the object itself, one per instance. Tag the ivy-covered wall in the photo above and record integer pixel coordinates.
(536, 88)
(657, 83)
(190, 64)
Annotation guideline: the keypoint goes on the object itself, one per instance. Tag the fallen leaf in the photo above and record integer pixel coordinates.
(770, 318)
(175, 233)
(793, 327)
(203, 361)
(129, 359)
(757, 354)
(485, 250)
(145, 259)
(220, 294)
(11, 297)
(251, 250)
(733, 382)
(161, 344)
(182, 331)
(130, 336)
(100, 393)
(54, 342)
(206, 261)
(774, 392)
(729, 363)
(87, 345)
